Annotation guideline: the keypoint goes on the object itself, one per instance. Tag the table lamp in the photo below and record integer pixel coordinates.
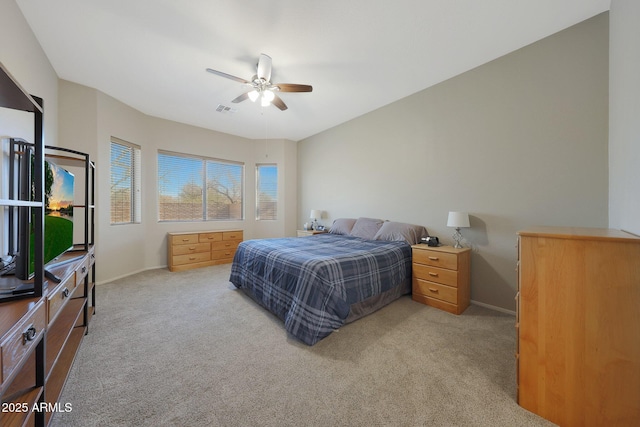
(314, 215)
(458, 220)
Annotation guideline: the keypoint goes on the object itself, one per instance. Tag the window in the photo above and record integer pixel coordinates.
(181, 180)
(266, 192)
(125, 182)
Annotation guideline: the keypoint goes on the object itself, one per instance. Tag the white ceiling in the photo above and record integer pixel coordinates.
(358, 55)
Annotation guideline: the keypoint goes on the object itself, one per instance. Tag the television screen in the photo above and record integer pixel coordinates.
(58, 220)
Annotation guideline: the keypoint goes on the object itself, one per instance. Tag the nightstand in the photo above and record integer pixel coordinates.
(441, 277)
(303, 233)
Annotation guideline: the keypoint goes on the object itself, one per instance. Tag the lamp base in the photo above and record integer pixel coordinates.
(457, 237)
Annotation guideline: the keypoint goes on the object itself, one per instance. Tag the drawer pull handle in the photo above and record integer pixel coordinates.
(434, 258)
(192, 248)
(185, 240)
(191, 258)
(433, 274)
(84, 269)
(65, 293)
(433, 290)
(29, 335)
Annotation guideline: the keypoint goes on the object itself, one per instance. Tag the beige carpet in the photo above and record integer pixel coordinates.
(188, 349)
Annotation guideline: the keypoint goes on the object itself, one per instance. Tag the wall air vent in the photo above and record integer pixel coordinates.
(225, 110)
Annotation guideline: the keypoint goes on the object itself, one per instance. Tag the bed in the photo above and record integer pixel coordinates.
(316, 284)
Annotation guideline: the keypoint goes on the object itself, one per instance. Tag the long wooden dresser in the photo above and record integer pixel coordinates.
(578, 324)
(201, 249)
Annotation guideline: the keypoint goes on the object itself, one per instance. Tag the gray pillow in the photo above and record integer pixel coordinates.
(342, 225)
(399, 231)
(366, 228)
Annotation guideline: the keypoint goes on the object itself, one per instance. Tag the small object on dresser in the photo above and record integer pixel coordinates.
(430, 241)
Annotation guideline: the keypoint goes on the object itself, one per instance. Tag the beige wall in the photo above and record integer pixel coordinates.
(519, 141)
(22, 56)
(624, 116)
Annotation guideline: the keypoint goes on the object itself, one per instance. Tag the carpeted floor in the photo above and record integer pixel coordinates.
(188, 349)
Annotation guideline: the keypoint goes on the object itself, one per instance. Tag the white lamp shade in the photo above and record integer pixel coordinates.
(268, 95)
(253, 95)
(315, 214)
(458, 220)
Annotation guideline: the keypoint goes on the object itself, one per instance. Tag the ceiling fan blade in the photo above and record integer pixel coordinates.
(241, 97)
(264, 67)
(278, 102)
(290, 87)
(228, 76)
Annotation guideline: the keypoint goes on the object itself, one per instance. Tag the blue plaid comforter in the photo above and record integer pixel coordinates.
(310, 282)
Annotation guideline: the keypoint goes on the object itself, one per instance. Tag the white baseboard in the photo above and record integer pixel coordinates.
(113, 279)
(493, 307)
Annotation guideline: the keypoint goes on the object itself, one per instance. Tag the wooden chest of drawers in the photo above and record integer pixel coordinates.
(201, 249)
(441, 277)
(577, 324)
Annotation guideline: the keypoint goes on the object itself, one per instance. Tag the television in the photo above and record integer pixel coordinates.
(58, 216)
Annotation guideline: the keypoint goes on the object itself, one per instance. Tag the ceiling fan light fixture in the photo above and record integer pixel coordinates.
(268, 95)
(265, 102)
(253, 95)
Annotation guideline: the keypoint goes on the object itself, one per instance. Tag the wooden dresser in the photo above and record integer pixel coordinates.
(441, 277)
(201, 249)
(32, 379)
(578, 325)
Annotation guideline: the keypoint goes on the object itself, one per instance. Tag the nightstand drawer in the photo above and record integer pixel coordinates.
(436, 258)
(435, 290)
(435, 274)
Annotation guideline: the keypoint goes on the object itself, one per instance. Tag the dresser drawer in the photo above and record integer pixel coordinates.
(435, 274)
(191, 258)
(225, 245)
(232, 235)
(81, 271)
(181, 239)
(58, 298)
(191, 248)
(19, 341)
(210, 237)
(435, 290)
(436, 258)
(223, 254)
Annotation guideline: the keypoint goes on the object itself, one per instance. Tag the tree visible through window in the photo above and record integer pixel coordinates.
(266, 192)
(125, 182)
(181, 180)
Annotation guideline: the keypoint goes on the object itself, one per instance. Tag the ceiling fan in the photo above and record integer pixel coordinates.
(261, 86)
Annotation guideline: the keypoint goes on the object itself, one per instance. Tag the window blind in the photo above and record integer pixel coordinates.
(193, 188)
(125, 182)
(266, 192)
